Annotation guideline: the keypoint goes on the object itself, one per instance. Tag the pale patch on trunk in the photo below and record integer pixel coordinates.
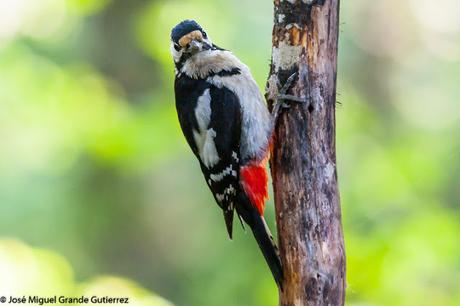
(285, 56)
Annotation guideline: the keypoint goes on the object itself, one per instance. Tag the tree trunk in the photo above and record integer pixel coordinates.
(303, 163)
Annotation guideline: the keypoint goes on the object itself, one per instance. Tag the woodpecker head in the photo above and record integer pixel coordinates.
(187, 39)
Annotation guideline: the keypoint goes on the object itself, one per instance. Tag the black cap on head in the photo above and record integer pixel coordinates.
(184, 28)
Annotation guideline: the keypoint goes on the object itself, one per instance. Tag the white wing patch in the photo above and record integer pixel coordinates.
(208, 154)
(204, 137)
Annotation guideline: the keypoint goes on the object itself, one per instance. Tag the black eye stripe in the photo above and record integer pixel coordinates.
(204, 34)
(177, 47)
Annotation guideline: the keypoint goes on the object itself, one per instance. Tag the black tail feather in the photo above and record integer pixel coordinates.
(265, 241)
(228, 217)
(269, 250)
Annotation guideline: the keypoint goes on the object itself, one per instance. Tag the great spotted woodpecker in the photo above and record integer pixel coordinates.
(225, 121)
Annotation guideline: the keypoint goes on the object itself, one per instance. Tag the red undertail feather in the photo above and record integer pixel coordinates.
(254, 180)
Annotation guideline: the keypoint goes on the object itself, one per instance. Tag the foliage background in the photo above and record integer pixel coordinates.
(93, 165)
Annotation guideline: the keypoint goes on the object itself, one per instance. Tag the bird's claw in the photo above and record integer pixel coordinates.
(283, 97)
(292, 98)
(288, 84)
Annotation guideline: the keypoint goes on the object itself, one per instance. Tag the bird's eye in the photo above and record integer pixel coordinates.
(177, 47)
(204, 34)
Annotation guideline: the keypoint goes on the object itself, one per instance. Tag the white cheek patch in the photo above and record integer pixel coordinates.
(204, 137)
(175, 54)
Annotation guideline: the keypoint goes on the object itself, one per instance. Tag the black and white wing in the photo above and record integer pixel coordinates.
(211, 123)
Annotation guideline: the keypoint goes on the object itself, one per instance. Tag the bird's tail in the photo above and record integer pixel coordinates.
(268, 247)
(265, 241)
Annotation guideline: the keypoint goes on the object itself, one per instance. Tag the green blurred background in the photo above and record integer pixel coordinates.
(96, 178)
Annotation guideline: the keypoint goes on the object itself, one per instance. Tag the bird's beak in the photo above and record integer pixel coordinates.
(205, 46)
(194, 47)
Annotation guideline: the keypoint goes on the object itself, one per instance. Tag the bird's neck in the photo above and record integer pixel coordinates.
(207, 63)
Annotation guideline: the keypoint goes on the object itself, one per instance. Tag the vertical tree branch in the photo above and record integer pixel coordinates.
(303, 163)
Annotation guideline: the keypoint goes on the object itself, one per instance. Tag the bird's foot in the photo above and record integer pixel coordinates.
(288, 84)
(291, 98)
(283, 96)
(283, 99)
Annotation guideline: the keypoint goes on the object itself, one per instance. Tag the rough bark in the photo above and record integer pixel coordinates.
(303, 163)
